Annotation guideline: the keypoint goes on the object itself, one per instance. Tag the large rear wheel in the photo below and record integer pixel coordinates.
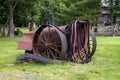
(50, 42)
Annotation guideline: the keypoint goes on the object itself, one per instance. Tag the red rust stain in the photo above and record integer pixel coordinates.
(26, 42)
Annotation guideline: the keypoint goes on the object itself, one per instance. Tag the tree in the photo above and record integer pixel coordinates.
(47, 14)
(3, 13)
(79, 9)
(114, 6)
(27, 12)
(10, 5)
(22, 12)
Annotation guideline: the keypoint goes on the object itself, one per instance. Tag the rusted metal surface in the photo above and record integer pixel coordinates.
(49, 41)
(26, 42)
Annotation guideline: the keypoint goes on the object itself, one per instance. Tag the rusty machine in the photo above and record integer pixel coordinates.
(75, 42)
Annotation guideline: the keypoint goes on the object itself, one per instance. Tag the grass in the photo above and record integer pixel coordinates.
(105, 64)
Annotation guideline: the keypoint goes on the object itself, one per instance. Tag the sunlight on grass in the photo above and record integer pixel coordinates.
(105, 64)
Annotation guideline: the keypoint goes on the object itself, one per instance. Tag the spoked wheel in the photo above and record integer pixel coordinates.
(92, 44)
(83, 58)
(50, 42)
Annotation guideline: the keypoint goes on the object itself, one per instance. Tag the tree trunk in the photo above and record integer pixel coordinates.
(114, 19)
(11, 24)
(31, 22)
(10, 20)
(31, 26)
(0, 29)
(3, 32)
(53, 19)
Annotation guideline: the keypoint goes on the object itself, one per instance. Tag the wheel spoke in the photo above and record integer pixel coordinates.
(47, 52)
(55, 50)
(57, 46)
(39, 44)
(58, 42)
(42, 40)
(41, 48)
(51, 52)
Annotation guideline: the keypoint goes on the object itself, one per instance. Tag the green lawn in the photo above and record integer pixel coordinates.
(105, 64)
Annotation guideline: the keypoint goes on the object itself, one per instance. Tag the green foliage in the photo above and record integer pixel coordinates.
(64, 11)
(4, 12)
(26, 11)
(81, 9)
(114, 7)
(47, 13)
